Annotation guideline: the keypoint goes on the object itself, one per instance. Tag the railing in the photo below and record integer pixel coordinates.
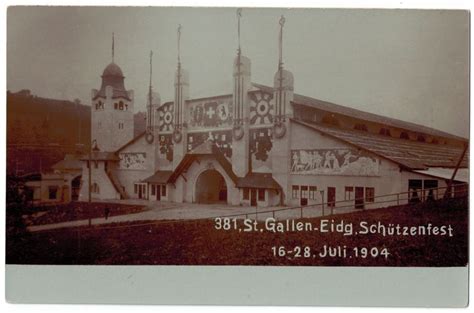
(401, 198)
(457, 191)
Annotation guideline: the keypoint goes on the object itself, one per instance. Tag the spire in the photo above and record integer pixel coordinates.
(113, 47)
(151, 71)
(179, 44)
(280, 43)
(239, 16)
(150, 99)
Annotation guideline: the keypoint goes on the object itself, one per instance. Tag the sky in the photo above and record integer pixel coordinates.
(411, 65)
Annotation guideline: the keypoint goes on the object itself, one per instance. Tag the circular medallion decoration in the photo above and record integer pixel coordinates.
(177, 136)
(168, 117)
(149, 137)
(238, 132)
(279, 130)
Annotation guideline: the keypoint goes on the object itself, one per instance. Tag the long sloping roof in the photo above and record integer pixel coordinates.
(413, 155)
(347, 111)
(462, 174)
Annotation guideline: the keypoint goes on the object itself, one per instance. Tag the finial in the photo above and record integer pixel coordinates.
(239, 16)
(179, 43)
(280, 59)
(113, 46)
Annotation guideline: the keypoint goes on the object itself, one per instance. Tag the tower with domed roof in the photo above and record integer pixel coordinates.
(112, 110)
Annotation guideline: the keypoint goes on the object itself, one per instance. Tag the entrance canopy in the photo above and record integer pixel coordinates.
(258, 180)
(160, 177)
(208, 148)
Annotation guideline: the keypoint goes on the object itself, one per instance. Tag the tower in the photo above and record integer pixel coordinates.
(181, 94)
(112, 109)
(282, 95)
(240, 100)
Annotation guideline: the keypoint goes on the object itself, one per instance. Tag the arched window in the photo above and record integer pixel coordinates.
(121, 105)
(361, 127)
(385, 132)
(421, 138)
(95, 188)
(435, 141)
(404, 135)
(116, 106)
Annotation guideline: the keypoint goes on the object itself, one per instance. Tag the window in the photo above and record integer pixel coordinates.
(361, 127)
(304, 192)
(330, 119)
(261, 194)
(404, 135)
(152, 190)
(348, 192)
(385, 132)
(163, 190)
(421, 138)
(52, 192)
(135, 188)
(369, 194)
(121, 105)
(312, 192)
(96, 164)
(295, 192)
(116, 106)
(95, 188)
(246, 194)
(435, 141)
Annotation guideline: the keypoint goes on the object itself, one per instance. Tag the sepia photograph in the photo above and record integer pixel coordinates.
(237, 137)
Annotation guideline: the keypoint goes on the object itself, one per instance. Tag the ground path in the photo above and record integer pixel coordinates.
(185, 211)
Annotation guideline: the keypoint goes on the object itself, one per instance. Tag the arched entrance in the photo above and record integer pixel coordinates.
(210, 188)
(75, 188)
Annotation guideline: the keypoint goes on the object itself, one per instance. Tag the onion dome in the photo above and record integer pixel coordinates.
(113, 76)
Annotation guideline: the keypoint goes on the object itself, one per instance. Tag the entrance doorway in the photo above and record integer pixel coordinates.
(75, 188)
(210, 188)
(331, 196)
(359, 198)
(253, 197)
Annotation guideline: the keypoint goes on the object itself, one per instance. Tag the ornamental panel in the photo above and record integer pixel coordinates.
(132, 161)
(349, 162)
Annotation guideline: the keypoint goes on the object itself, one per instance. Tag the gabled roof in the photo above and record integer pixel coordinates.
(160, 177)
(366, 116)
(70, 162)
(410, 154)
(258, 180)
(206, 148)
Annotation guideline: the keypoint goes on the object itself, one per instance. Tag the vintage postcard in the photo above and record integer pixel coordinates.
(283, 150)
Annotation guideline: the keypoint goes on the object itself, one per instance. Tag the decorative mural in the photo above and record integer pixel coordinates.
(261, 108)
(166, 146)
(222, 138)
(333, 162)
(132, 160)
(261, 143)
(165, 114)
(214, 113)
